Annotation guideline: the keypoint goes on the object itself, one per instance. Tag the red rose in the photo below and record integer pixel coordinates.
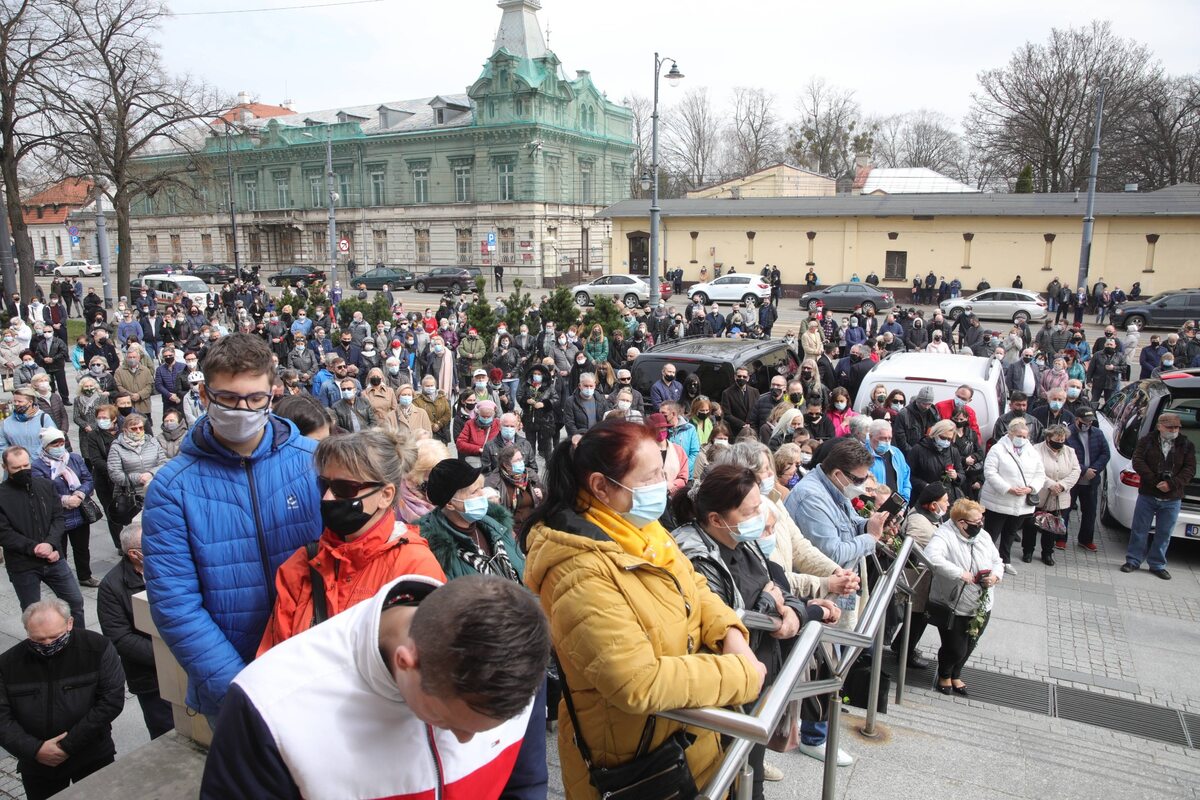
(858, 504)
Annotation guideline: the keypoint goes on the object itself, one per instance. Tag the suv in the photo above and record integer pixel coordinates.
(715, 361)
(44, 266)
(453, 279)
(1130, 414)
(1166, 310)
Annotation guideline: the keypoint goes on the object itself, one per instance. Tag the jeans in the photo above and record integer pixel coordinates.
(813, 733)
(157, 713)
(1085, 495)
(58, 577)
(1143, 544)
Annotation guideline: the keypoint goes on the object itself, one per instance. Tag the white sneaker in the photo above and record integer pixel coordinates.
(1009, 569)
(772, 772)
(817, 751)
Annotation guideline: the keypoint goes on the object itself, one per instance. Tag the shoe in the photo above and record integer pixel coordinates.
(772, 772)
(1048, 559)
(1060, 544)
(1089, 546)
(1161, 573)
(916, 661)
(67, 403)
(960, 690)
(1009, 569)
(1128, 568)
(944, 689)
(90, 583)
(817, 751)
(1027, 558)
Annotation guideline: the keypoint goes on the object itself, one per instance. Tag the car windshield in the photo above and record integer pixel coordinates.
(191, 285)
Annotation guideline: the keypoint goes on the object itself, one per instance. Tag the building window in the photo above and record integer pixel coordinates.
(380, 246)
(255, 246)
(420, 177)
(151, 247)
(422, 237)
(172, 205)
(316, 190)
(176, 248)
(521, 107)
(506, 181)
(378, 196)
(283, 190)
(45, 247)
(585, 183)
(895, 265)
(250, 192)
(462, 238)
(58, 251)
(206, 246)
(203, 198)
(343, 182)
(508, 246)
(553, 180)
(320, 246)
(462, 183)
(229, 248)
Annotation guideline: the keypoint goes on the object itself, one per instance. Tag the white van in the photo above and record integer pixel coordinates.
(165, 287)
(912, 372)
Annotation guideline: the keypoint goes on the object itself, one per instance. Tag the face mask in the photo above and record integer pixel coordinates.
(480, 385)
(437, 348)
(347, 394)
(1168, 362)
(475, 509)
(767, 484)
(508, 432)
(749, 530)
(624, 405)
(485, 421)
(237, 425)
(941, 443)
(56, 453)
(135, 436)
(649, 503)
(1019, 441)
(429, 391)
(27, 363)
(776, 392)
(897, 407)
(104, 424)
(405, 400)
(767, 546)
(191, 365)
(1027, 359)
(1073, 393)
(805, 458)
(376, 380)
(586, 392)
(1056, 405)
(840, 405)
(536, 379)
(47, 650)
(518, 468)
(21, 478)
(22, 412)
(853, 490)
(42, 388)
(170, 427)
(882, 448)
(972, 531)
(1169, 436)
(813, 419)
(721, 442)
(344, 517)
(1055, 445)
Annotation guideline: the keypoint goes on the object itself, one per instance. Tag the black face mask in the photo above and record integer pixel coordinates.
(806, 374)
(21, 478)
(1055, 445)
(376, 380)
(813, 419)
(776, 392)
(126, 411)
(1027, 359)
(972, 531)
(344, 517)
(795, 397)
(741, 381)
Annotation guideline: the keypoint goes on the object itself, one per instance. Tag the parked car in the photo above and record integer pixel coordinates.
(165, 287)
(440, 279)
(912, 372)
(1005, 304)
(629, 289)
(740, 287)
(1165, 310)
(44, 266)
(1130, 414)
(290, 276)
(160, 269)
(715, 361)
(848, 296)
(81, 267)
(211, 273)
(394, 277)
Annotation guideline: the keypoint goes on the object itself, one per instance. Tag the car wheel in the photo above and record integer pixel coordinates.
(868, 307)
(1020, 316)
(582, 299)
(750, 300)
(455, 288)
(632, 301)
(58, 272)
(420, 286)
(956, 312)
(1136, 319)
(812, 305)
(701, 298)
(1105, 513)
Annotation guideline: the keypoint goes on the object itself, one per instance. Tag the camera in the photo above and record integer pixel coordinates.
(1166, 475)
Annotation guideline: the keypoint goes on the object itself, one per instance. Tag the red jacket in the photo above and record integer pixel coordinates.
(473, 437)
(946, 408)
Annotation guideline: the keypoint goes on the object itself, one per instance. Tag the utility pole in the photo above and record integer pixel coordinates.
(102, 246)
(237, 260)
(1089, 221)
(333, 198)
(6, 255)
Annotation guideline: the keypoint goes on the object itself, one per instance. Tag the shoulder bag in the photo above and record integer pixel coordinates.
(659, 774)
(90, 510)
(1031, 498)
(320, 606)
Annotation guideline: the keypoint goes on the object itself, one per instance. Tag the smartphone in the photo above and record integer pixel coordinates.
(894, 505)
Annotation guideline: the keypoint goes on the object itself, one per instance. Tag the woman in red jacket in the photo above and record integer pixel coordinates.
(478, 431)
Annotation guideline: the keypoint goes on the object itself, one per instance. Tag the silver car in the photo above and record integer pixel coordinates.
(1005, 304)
(628, 289)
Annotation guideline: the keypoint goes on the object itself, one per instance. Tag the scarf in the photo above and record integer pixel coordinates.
(61, 468)
(651, 542)
(498, 565)
(411, 504)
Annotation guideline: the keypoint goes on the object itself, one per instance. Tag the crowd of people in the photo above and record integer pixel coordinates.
(346, 511)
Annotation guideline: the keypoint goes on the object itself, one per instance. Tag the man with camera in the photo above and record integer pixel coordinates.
(1166, 464)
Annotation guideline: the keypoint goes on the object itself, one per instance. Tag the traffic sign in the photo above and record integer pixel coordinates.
(73, 230)
(491, 240)
(74, 239)
(343, 245)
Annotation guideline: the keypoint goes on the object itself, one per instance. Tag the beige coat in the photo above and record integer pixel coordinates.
(1062, 467)
(383, 400)
(140, 383)
(415, 421)
(808, 569)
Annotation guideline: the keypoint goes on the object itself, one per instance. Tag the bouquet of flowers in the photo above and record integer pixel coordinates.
(975, 626)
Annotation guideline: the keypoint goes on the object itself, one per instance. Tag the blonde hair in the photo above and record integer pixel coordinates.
(943, 427)
(429, 453)
(375, 454)
(964, 508)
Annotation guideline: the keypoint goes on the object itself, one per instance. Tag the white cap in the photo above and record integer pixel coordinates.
(49, 435)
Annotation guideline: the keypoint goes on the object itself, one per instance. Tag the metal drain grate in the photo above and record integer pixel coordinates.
(1191, 723)
(1006, 690)
(1126, 716)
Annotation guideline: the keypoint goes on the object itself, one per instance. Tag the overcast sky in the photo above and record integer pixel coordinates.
(896, 56)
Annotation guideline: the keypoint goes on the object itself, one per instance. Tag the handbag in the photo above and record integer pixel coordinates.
(90, 510)
(127, 504)
(1031, 498)
(660, 774)
(1050, 522)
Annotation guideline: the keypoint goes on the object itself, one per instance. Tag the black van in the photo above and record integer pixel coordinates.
(715, 361)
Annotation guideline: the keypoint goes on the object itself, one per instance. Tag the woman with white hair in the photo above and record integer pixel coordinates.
(1013, 475)
(791, 421)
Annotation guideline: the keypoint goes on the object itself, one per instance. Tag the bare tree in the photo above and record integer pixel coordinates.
(117, 104)
(1165, 134)
(888, 150)
(34, 40)
(1039, 108)
(692, 137)
(756, 136)
(830, 132)
(642, 109)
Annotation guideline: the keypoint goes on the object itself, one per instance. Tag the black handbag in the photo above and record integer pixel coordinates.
(1031, 499)
(127, 504)
(659, 774)
(90, 510)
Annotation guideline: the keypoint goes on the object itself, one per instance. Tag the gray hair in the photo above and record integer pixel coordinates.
(45, 604)
(131, 537)
(134, 417)
(859, 425)
(878, 426)
(750, 455)
(1056, 430)
(375, 454)
(590, 375)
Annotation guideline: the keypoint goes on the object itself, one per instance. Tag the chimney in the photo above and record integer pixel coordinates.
(243, 98)
(288, 105)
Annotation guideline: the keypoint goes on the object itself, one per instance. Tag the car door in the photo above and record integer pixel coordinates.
(1172, 310)
(983, 304)
(735, 287)
(832, 296)
(600, 286)
(622, 285)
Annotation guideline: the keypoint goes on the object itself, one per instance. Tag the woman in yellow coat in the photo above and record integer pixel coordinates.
(636, 630)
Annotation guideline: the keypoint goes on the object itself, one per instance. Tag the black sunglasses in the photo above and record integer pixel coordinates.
(344, 489)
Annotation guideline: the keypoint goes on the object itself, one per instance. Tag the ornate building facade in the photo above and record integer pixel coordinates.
(525, 154)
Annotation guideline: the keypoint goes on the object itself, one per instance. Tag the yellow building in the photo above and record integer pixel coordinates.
(779, 180)
(1153, 238)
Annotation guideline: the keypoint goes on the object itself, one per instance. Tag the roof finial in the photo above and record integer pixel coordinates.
(547, 34)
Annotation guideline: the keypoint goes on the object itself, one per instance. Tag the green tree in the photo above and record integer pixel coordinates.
(560, 308)
(516, 307)
(480, 314)
(604, 312)
(1025, 180)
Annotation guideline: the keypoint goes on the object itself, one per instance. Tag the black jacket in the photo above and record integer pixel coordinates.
(928, 464)
(575, 416)
(114, 607)
(911, 425)
(80, 690)
(738, 405)
(29, 517)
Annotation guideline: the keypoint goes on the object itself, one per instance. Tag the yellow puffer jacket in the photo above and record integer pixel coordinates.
(632, 639)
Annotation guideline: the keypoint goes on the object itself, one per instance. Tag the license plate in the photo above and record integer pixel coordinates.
(1192, 531)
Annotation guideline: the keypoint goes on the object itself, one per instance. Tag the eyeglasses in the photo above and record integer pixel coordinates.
(856, 480)
(344, 489)
(255, 401)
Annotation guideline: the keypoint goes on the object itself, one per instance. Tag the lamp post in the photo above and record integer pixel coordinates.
(674, 76)
(1089, 220)
(237, 258)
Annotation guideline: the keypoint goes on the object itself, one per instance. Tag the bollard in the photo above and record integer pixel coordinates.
(829, 782)
(902, 673)
(876, 669)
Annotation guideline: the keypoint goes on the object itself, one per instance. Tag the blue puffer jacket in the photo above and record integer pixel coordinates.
(216, 527)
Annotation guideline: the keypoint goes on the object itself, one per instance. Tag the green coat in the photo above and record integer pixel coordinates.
(471, 351)
(445, 540)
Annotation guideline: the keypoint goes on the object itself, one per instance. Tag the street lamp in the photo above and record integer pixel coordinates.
(674, 76)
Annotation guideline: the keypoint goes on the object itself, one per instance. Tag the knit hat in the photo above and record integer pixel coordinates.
(51, 435)
(448, 477)
(925, 395)
(931, 492)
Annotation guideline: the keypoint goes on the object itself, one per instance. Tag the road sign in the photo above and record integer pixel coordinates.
(74, 239)
(491, 238)
(73, 230)
(343, 245)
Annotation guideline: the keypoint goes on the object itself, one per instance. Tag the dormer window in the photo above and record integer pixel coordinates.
(439, 116)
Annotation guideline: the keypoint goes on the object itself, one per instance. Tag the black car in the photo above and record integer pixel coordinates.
(44, 266)
(715, 361)
(452, 279)
(847, 297)
(161, 269)
(212, 273)
(1165, 310)
(290, 276)
(394, 277)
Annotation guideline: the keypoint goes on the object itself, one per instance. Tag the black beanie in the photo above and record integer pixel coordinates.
(931, 492)
(447, 478)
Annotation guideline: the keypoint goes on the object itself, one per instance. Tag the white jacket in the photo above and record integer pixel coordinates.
(1004, 469)
(952, 554)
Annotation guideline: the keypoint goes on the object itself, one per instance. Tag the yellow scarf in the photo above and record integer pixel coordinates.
(652, 542)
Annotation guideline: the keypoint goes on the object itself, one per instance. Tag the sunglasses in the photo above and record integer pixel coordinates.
(344, 489)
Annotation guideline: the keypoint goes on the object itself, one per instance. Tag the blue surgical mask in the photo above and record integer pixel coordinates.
(586, 393)
(508, 432)
(480, 385)
(405, 399)
(792, 481)
(649, 503)
(882, 448)
(347, 394)
(959, 402)
(897, 407)
(941, 443)
(475, 508)
(485, 421)
(56, 452)
(767, 484)
(1056, 405)
(518, 468)
(1168, 362)
(1073, 393)
(767, 546)
(749, 530)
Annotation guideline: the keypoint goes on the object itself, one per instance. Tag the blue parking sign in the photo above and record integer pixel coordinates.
(491, 238)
